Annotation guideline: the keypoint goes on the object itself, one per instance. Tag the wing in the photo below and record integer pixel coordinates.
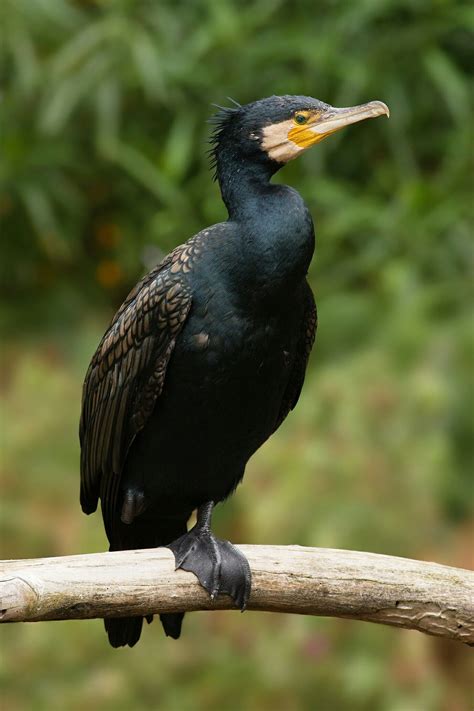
(296, 380)
(126, 376)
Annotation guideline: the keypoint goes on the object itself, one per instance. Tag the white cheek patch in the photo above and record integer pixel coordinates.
(277, 145)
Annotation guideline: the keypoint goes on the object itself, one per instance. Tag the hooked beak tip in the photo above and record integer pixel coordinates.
(381, 108)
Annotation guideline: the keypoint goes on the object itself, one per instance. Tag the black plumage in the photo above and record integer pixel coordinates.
(205, 358)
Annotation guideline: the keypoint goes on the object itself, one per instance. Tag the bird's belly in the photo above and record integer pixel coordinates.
(221, 400)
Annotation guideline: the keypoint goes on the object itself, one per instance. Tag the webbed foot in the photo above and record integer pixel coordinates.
(218, 565)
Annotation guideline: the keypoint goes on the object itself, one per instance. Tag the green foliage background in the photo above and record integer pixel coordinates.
(103, 169)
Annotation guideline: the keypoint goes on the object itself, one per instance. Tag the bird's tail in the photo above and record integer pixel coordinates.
(171, 622)
(123, 631)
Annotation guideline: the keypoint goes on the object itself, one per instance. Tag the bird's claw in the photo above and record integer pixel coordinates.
(218, 565)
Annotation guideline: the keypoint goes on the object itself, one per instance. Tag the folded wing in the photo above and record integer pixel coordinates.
(125, 379)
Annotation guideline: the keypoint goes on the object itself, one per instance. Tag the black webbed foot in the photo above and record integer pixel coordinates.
(218, 565)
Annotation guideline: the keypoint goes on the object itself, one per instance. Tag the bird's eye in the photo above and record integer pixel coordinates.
(301, 119)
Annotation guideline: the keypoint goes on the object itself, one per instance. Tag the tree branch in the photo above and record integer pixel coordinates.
(428, 597)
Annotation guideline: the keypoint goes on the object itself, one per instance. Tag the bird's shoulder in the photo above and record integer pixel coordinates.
(178, 262)
(157, 303)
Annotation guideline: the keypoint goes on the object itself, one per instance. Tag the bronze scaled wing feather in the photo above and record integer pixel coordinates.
(126, 376)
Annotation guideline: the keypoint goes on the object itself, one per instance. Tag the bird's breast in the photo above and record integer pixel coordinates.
(234, 358)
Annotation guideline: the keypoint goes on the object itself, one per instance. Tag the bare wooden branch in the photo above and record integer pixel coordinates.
(428, 597)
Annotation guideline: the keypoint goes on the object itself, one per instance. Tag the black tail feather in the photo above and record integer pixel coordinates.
(123, 631)
(172, 622)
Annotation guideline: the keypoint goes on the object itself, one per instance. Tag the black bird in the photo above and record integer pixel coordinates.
(207, 355)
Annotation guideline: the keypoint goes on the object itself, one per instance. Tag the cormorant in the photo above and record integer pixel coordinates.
(207, 355)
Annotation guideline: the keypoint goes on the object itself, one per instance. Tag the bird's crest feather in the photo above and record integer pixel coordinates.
(219, 122)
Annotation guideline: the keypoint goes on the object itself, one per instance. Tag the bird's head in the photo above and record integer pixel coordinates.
(277, 129)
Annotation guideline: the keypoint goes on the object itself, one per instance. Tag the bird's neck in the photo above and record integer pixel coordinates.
(242, 183)
(274, 228)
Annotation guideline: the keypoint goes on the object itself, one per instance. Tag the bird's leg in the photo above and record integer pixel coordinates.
(218, 565)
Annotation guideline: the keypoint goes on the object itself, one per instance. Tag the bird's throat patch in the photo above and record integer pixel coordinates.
(284, 141)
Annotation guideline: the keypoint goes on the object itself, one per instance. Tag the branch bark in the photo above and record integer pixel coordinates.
(428, 597)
